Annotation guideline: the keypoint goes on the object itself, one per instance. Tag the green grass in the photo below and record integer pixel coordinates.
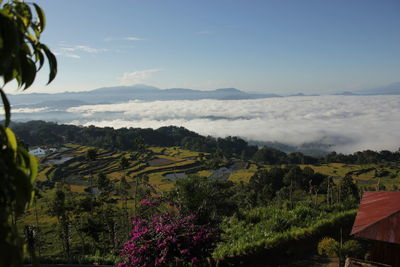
(204, 173)
(241, 176)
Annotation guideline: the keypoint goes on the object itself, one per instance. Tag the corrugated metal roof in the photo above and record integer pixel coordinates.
(378, 217)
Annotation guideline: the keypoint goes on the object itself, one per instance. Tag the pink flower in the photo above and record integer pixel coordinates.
(184, 251)
(146, 202)
(166, 239)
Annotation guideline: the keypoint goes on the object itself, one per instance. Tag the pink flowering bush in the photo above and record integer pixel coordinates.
(167, 239)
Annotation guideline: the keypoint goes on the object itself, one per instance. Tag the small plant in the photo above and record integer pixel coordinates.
(333, 248)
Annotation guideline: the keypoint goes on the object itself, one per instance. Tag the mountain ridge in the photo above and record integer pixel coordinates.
(120, 94)
(142, 92)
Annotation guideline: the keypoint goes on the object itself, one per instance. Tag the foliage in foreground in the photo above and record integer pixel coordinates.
(21, 56)
(169, 238)
(278, 234)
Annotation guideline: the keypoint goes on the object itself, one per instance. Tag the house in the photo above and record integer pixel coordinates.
(378, 221)
(41, 152)
(37, 152)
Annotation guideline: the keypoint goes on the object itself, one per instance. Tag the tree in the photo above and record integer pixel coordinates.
(209, 199)
(348, 189)
(91, 154)
(124, 163)
(21, 57)
(59, 208)
(124, 191)
(104, 184)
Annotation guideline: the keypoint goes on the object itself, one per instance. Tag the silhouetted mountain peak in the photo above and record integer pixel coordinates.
(229, 90)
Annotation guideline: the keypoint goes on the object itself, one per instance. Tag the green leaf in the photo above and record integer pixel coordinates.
(12, 141)
(6, 107)
(40, 57)
(33, 166)
(25, 14)
(52, 62)
(42, 17)
(28, 71)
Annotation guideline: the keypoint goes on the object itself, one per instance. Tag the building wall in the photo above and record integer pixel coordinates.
(384, 252)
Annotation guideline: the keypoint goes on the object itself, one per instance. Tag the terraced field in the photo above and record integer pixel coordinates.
(71, 166)
(368, 176)
(164, 165)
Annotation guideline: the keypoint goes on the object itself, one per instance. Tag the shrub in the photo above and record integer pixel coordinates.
(167, 239)
(333, 248)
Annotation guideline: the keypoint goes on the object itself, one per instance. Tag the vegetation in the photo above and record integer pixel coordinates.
(21, 56)
(37, 133)
(261, 217)
(251, 242)
(333, 248)
(168, 238)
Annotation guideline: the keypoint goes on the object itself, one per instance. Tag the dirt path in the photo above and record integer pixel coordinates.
(315, 261)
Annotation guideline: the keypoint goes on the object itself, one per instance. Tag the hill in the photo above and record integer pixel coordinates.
(391, 89)
(119, 94)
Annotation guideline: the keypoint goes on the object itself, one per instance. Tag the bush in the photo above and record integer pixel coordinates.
(333, 248)
(167, 239)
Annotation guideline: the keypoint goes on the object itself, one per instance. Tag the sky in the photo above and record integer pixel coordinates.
(271, 46)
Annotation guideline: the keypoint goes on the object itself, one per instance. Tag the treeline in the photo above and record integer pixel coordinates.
(38, 133)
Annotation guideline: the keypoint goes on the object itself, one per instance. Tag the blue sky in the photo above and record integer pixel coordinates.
(281, 46)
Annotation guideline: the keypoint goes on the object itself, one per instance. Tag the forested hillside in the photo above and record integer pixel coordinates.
(36, 133)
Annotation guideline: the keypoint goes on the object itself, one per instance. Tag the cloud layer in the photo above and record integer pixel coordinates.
(349, 123)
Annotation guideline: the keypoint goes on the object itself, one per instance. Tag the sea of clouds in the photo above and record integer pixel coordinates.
(348, 123)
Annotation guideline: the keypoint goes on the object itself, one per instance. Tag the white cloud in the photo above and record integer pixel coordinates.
(134, 77)
(348, 123)
(67, 55)
(25, 110)
(72, 51)
(132, 38)
(83, 48)
(72, 56)
(127, 38)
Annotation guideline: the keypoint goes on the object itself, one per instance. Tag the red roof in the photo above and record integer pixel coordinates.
(378, 217)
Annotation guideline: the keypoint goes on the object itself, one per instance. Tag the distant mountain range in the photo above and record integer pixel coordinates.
(110, 95)
(118, 94)
(391, 89)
